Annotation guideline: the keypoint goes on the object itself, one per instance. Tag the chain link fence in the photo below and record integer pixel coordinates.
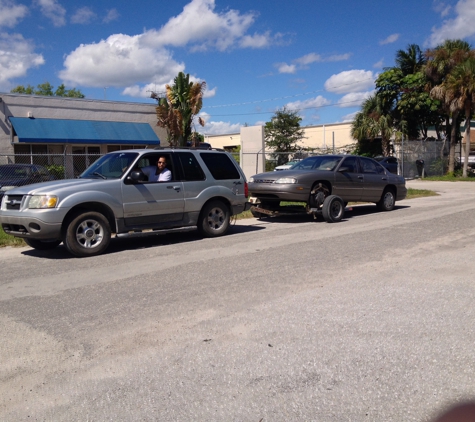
(40, 166)
(421, 158)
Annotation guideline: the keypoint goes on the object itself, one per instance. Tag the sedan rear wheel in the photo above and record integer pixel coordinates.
(387, 201)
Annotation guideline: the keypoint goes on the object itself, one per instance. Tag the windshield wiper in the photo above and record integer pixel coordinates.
(99, 174)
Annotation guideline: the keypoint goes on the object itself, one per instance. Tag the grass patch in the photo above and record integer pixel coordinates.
(7, 240)
(419, 193)
(449, 178)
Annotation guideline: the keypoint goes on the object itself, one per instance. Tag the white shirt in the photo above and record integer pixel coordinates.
(151, 173)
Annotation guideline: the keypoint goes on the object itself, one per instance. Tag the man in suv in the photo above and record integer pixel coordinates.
(205, 189)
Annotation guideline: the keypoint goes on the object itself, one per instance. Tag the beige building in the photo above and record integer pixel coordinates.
(318, 137)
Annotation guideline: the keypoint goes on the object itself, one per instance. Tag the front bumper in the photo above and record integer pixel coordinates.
(35, 228)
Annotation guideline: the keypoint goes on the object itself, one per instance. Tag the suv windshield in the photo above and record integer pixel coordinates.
(110, 166)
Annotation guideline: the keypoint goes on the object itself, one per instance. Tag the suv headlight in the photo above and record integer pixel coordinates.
(286, 180)
(42, 201)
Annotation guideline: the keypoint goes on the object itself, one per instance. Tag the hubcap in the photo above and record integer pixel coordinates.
(388, 200)
(89, 234)
(336, 209)
(216, 218)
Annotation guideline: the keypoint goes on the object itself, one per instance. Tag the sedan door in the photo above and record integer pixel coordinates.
(375, 179)
(348, 180)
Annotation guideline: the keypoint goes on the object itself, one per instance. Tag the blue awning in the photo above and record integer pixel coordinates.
(82, 132)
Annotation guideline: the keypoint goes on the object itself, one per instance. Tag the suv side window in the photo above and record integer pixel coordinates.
(191, 168)
(220, 166)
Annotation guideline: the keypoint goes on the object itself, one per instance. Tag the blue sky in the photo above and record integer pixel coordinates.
(318, 57)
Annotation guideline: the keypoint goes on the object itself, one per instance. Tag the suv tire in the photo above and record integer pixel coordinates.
(214, 219)
(87, 234)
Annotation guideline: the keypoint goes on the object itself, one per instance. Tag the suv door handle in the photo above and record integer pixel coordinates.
(177, 188)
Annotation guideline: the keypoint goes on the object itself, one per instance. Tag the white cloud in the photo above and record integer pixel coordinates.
(11, 13)
(442, 8)
(308, 59)
(457, 28)
(349, 117)
(354, 99)
(286, 68)
(304, 61)
(209, 93)
(379, 65)
(218, 128)
(310, 103)
(83, 15)
(350, 81)
(137, 63)
(16, 57)
(120, 61)
(112, 15)
(389, 40)
(202, 28)
(53, 10)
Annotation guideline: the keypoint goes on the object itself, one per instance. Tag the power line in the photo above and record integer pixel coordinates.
(303, 108)
(288, 96)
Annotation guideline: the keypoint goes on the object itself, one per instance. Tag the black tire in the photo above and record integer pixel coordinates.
(387, 201)
(42, 245)
(87, 234)
(214, 219)
(333, 209)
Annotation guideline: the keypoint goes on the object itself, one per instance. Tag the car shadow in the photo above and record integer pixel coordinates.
(140, 241)
(350, 212)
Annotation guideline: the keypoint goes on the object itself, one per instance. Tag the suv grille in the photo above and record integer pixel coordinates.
(14, 202)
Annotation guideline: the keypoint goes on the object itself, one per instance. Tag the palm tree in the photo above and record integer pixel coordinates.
(184, 100)
(462, 83)
(441, 62)
(374, 120)
(410, 61)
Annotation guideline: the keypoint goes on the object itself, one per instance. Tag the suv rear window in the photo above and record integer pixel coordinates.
(220, 166)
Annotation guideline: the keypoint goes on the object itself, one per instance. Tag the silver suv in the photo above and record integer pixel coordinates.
(113, 196)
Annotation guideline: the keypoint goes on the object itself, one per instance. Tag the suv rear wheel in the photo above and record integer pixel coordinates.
(214, 219)
(87, 234)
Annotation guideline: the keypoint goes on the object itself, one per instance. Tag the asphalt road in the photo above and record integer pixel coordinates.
(370, 319)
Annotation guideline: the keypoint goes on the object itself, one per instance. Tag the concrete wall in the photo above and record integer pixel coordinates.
(320, 136)
(252, 150)
(17, 105)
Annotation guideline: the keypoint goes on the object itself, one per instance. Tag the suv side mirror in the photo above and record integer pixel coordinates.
(136, 176)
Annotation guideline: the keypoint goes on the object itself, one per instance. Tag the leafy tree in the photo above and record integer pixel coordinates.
(46, 89)
(441, 62)
(184, 100)
(410, 61)
(374, 120)
(461, 82)
(282, 133)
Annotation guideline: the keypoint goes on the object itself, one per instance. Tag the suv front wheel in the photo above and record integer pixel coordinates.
(214, 219)
(87, 234)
